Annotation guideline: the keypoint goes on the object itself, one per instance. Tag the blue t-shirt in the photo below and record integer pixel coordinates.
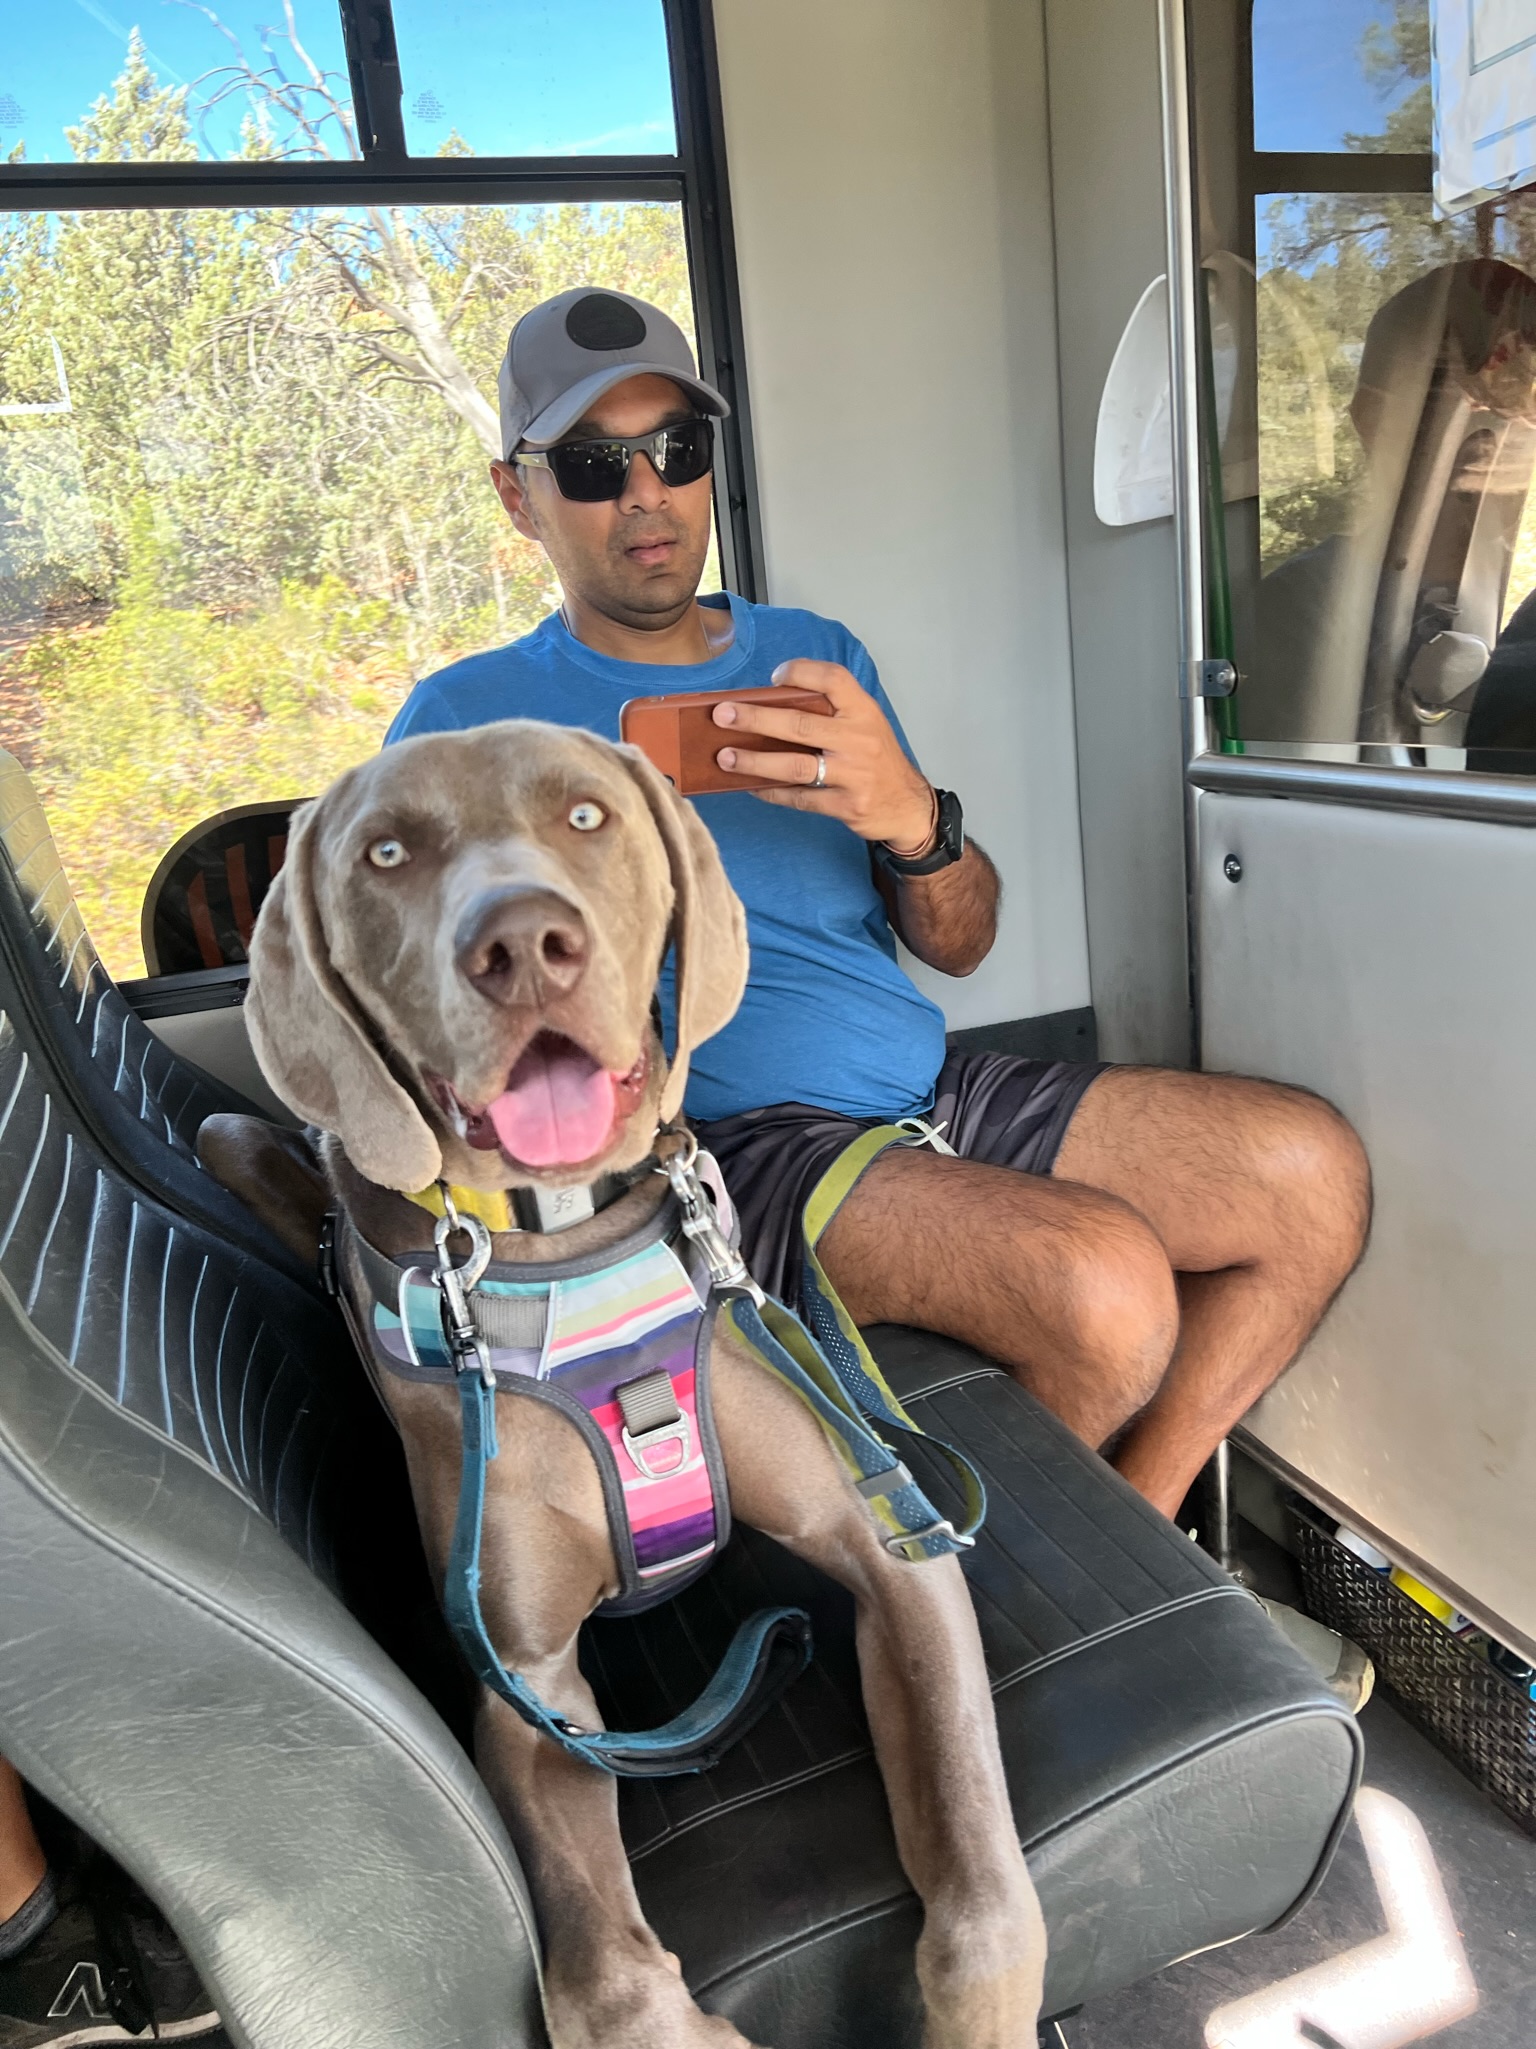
(829, 1016)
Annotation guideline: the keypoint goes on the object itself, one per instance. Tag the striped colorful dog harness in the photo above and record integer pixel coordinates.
(619, 1342)
(621, 1347)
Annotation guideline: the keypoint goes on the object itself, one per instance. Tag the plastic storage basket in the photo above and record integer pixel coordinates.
(1467, 1708)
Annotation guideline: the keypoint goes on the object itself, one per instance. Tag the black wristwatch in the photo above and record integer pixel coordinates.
(948, 848)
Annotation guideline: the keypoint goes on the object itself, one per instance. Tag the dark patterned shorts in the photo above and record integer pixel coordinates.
(995, 1107)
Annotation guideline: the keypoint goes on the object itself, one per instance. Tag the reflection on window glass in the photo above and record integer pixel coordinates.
(244, 501)
(1397, 446)
(1341, 75)
(213, 81)
(535, 77)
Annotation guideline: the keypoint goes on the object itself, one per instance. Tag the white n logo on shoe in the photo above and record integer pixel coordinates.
(82, 1988)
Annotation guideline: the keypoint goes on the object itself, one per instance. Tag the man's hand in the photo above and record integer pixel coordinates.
(949, 918)
(869, 784)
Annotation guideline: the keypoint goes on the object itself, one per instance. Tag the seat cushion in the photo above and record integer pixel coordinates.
(1179, 1776)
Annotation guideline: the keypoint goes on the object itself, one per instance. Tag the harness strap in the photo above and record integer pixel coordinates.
(850, 1357)
(777, 1338)
(768, 1650)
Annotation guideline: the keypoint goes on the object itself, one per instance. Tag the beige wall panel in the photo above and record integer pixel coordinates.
(1388, 960)
(890, 184)
(1106, 157)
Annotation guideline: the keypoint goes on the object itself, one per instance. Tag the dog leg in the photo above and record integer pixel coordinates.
(609, 1984)
(981, 1957)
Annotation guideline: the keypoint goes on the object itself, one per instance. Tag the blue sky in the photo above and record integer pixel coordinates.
(1308, 86)
(515, 77)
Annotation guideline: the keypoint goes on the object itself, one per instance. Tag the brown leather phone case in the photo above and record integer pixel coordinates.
(679, 736)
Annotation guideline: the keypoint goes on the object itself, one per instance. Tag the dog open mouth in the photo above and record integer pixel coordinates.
(559, 1107)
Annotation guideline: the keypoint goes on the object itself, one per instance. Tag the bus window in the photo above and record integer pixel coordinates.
(1332, 76)
(535, 77)
(1396, 400)
(244, 502)
(214, 83)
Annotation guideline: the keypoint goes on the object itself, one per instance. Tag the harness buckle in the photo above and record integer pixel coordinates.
(897, 1545)
(641, 1445)
(653, 1416)
(325, 1255)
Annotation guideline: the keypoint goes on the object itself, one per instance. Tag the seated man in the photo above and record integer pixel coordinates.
(1146, 1250)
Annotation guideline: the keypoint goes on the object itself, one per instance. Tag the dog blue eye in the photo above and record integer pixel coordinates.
(587, 816)
(388, 854)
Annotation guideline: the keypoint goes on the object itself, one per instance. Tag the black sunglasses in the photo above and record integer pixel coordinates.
(591, 471)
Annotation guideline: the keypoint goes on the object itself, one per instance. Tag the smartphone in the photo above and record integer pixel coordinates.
(680, 737)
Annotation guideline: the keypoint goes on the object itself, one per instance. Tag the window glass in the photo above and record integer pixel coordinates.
(535, 77)
(243, 494)
(1396, 374)
(1341, 75)
(80, 84)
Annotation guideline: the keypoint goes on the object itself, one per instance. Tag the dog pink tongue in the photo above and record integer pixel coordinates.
(557, 1108)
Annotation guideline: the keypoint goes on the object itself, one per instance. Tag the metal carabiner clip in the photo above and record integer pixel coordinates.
(456, 1282)
(727, 1268)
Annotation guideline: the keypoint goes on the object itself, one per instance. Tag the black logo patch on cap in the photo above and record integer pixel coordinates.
(600, 321)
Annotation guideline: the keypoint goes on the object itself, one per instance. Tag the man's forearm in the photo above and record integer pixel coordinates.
(948, 919)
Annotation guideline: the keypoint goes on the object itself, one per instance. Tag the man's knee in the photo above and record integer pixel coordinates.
(1315, 1177)
(1116, 1306)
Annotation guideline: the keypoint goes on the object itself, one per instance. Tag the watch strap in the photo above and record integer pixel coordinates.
(948, 848)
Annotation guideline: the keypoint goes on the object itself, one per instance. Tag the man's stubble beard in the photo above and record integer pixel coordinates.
(636, 597)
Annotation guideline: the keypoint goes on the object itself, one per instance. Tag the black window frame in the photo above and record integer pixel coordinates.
(695, 178)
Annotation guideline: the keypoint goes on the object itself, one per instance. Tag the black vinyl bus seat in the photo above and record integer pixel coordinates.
(192, 1472)
(201, 904)
(142, 1102)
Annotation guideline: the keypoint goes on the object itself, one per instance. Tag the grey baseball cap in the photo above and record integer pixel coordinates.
(566, 353)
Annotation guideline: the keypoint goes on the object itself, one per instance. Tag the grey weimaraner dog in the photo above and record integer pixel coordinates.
(462, 912)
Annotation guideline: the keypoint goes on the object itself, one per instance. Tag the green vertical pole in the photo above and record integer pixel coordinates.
(1218, 602)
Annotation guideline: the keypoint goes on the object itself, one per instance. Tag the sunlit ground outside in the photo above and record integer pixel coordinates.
(244, 501)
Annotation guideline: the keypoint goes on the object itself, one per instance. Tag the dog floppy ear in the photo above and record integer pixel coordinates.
(709, 927)
(310, 1040)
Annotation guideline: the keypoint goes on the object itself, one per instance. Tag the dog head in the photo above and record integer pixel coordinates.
(454, 970)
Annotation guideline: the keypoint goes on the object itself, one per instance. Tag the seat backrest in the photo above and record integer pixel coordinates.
(201, 904)
(191, 1466)
(142, 1102)
(1442, 408)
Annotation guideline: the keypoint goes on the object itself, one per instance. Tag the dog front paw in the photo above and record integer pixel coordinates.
(640, 2006)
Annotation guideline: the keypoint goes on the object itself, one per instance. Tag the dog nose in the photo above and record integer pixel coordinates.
(521, 945)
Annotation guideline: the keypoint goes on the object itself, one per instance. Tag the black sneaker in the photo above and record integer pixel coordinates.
(81, 1983)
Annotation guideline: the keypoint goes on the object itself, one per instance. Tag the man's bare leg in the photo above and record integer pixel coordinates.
(1262, 1196)
(1258, 1195)
(23, 1866)
(1065, 1284)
